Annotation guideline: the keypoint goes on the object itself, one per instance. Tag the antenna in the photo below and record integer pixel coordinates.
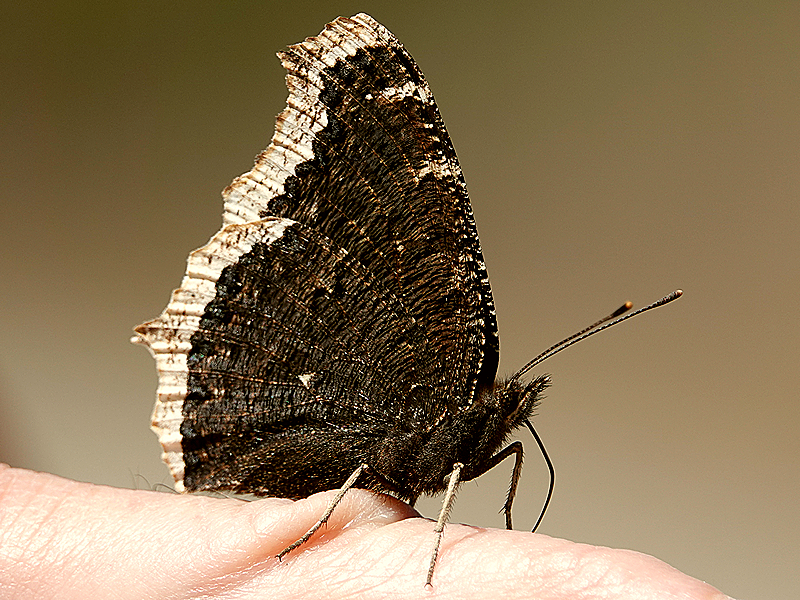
(595, 328)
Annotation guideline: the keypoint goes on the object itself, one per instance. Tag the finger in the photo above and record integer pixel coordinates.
(60, 538)
(392, 561)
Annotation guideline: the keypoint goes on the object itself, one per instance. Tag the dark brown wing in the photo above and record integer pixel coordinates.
(348, 292)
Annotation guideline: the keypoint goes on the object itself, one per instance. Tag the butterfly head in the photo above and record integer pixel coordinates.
(517, 400)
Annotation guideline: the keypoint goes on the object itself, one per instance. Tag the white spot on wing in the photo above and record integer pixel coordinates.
(306, 379)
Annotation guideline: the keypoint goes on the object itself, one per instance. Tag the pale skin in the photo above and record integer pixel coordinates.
(64, 539)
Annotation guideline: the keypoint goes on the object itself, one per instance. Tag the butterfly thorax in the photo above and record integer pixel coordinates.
(422, 460)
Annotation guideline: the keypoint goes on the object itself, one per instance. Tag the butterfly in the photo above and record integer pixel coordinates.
(339, 330)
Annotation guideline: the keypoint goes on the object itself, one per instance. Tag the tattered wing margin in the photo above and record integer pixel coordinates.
(169, 336)
(247, 197)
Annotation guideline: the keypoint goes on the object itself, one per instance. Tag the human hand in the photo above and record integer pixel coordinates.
(65, 539)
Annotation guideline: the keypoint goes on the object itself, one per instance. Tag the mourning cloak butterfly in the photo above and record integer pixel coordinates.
(339, 330)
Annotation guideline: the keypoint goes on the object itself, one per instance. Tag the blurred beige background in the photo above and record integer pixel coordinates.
(613, 151)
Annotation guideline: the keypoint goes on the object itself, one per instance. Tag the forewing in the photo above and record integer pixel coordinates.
(362, 155)
(364, 305)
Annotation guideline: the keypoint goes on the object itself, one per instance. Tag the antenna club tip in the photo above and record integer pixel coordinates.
(678, 293)
(621, 310)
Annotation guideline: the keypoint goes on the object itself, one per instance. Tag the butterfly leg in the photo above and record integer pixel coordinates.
(516, 450)
(328, 511)
(447, 505)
